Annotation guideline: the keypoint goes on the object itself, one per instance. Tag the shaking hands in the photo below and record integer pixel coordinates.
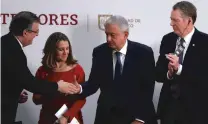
(69, 88)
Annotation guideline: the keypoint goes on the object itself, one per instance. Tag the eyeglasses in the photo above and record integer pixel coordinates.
(33, 31)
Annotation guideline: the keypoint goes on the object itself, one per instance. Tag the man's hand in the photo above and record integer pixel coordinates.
(171, 72)
(137, 122)
(23, 97)
(174, 61)
(67, 88)
(63, 120)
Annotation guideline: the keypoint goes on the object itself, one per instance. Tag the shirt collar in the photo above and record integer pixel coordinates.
(188, 37)
(123, 50)
(19, 42)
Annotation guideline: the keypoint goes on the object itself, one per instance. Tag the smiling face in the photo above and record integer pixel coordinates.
(29, 35)
(62, 51)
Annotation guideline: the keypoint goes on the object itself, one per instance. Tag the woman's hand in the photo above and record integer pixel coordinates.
(63, 120)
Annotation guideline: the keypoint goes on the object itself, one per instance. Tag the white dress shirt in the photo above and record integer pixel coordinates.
(19, 42)
(122, 58)
(187, 39)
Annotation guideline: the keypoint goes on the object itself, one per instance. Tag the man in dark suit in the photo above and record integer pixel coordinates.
(124, 72)
(15, 74)
(182, 68)
(22, 99)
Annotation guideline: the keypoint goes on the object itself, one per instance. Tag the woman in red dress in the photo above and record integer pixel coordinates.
(59, 64)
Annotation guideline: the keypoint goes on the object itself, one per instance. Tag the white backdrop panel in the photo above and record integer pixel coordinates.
(154, 22)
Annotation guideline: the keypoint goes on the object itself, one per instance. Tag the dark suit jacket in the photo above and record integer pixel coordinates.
(16, 76)
(193, 81)
(132, 97)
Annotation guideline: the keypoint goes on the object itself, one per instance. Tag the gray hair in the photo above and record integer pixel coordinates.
(118, 20)
(187, 9)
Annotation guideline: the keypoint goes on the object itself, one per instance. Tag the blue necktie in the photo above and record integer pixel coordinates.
(118, 67)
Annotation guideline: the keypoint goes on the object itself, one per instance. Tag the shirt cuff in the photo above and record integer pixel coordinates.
(179, 70)
(80, 89)
(139, 120)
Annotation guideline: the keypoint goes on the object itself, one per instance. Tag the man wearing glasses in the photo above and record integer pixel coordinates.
(16, 76)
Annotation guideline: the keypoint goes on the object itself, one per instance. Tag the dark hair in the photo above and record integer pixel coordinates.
(187, 9)
(49, 51)
(23, 20)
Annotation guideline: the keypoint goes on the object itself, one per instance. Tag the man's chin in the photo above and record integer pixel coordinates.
(111, 46)
(176, 32)
(30, 43)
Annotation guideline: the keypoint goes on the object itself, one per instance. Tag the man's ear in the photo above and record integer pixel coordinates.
(126, 34)
(190, 20)
(24, 33)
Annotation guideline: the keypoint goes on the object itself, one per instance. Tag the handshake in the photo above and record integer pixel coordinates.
(69, 87)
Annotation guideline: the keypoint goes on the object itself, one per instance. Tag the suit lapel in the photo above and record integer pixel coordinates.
(109, 63)
(191, 46)
(128, 58)
(172, 45)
